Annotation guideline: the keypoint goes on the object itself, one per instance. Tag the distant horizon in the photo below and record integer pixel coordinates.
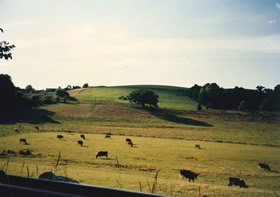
(133, 85)
(179, 42)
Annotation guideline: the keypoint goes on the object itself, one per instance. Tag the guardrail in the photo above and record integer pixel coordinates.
(13, 186)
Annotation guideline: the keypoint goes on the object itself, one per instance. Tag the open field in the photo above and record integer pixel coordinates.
(233, 143)
(215, 162)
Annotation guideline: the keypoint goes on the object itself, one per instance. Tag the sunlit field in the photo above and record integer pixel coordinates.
(127, 167)
(232, 144)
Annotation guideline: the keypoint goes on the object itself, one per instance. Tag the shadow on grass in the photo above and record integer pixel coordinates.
(32, 116)
(171, 117)
(70, 98)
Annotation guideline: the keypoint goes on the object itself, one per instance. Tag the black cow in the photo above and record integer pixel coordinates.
(237, 181)
(188, 174)
(59, 137)
(22, 140)
(80, 142)
(102, 153)
(37, 128)
(264, 166)
(83, 136)
(128, 140)
(108, 135)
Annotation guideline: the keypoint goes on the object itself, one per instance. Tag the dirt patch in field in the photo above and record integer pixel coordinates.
(111, 111)
(76, 91)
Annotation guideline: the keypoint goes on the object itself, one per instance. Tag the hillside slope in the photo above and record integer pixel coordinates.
(99, 110)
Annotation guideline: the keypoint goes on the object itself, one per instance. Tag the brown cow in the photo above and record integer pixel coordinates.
(197, 146)
(23, 140)
(108, 135)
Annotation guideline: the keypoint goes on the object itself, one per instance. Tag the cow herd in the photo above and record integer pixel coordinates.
(183, 172)
(232, 180)
(80, 142)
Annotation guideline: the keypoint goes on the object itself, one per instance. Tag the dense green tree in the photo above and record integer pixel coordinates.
(8, 93)
(244, 105)
(29, 89)
(193, 92)
(85, 85)
(63, 94)
(69, 87)
(143, 97)
(11, 99)
(199, 107)
(76, 87)
(210, 95)
(276, 97)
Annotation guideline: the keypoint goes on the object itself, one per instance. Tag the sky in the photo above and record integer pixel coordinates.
(131, 42)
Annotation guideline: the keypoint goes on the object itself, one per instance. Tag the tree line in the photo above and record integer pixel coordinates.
(13, 99)
(213, 96)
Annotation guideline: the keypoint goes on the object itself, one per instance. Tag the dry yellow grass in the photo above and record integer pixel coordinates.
(215, 162)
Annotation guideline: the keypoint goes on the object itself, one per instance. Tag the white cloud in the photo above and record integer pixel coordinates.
(277, 5)
(271, 21)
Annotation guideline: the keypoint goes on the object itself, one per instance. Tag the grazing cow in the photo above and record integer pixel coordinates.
(188, 174)
(37, 128)
(264, 166)
(59, 137)
(22, 140)
(130, 143)
(83, 136)
(196, 146)
(237, 181)
(128, 140)
(108, 135)
(16, 130)
(102, 153)
(80, 142)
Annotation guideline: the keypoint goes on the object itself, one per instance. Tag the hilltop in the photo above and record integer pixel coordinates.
(99, 110)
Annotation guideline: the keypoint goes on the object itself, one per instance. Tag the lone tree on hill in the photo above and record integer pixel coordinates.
(62, 93)
(143, 97)
(5, 48)
(85, 85)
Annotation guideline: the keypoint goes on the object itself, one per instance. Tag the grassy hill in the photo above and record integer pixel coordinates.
(233, 142)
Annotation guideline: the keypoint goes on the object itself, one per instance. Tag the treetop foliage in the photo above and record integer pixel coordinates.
(5, 49)
(213, 96)
(143, 97)
(62, 93)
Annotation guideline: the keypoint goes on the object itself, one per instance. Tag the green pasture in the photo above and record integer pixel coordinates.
(172, 98)
(232, 142)
(215, 162)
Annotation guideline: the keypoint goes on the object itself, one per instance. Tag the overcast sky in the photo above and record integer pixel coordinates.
(129, 42)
